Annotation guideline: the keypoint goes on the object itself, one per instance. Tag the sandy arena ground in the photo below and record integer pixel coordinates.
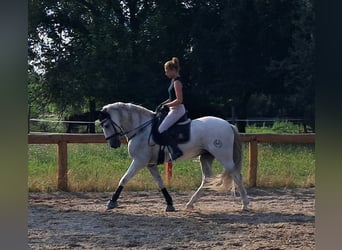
(278, 219)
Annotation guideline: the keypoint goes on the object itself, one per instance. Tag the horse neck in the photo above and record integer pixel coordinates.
(133, 119)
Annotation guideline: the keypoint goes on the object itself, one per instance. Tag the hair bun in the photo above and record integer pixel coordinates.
(175, 61)
(173, 64)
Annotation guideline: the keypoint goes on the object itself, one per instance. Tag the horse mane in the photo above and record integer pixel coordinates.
(129, 107)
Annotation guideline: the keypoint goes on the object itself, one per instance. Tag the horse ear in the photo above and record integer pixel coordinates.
(102, 114)
(97, 113)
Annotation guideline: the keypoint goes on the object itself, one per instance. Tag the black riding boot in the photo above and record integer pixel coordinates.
(176, 152)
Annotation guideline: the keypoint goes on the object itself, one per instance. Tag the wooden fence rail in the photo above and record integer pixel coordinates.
(62, 140)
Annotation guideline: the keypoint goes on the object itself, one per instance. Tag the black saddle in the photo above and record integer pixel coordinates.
(179, 131)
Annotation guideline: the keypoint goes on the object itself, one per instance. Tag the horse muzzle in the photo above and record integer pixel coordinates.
(114, 142)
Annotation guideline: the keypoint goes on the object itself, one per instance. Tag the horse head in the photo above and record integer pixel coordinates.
(112, 131)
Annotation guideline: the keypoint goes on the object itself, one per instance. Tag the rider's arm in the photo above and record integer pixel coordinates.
(164, 102)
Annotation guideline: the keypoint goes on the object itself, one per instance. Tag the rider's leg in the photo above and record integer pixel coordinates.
(172, 117)
(176, 152)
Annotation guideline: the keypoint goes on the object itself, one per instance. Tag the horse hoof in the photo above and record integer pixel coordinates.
(112, 204)
(170, 208)
(189, 207)
(245, 210)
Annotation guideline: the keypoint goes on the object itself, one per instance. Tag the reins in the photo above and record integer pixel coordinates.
(123, 133)
(139, 128)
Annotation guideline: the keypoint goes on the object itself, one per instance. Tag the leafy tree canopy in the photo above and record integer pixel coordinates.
(254, 55)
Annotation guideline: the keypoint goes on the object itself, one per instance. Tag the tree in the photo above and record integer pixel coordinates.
(297, 68)
(85, 48)
(105, 51)
(234, 53)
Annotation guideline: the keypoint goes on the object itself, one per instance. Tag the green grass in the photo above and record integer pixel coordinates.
(96, 167)
(286, 165)
(277, 127)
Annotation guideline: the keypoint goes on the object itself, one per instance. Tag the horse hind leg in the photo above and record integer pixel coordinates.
(237, 177)
(230, 178)
(206, 161)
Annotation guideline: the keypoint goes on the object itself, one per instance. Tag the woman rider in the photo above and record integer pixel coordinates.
(175, 104)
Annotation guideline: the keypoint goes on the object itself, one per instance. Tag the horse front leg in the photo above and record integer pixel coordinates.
(133, 169)
(156, 176)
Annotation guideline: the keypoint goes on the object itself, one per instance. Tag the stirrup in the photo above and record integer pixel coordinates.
(175, 155)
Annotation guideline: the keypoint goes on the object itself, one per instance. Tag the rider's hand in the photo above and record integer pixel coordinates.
(164, 108)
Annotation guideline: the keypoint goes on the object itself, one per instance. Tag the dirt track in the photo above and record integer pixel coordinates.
(278, 219)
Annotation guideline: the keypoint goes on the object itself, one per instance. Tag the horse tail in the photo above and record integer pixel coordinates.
(224, 181)
(237, 149)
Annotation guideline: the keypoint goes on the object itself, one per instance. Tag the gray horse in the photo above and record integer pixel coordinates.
(210, 138)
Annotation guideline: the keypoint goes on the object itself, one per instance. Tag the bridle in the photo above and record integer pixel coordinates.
(118, 131)
(115, 126)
